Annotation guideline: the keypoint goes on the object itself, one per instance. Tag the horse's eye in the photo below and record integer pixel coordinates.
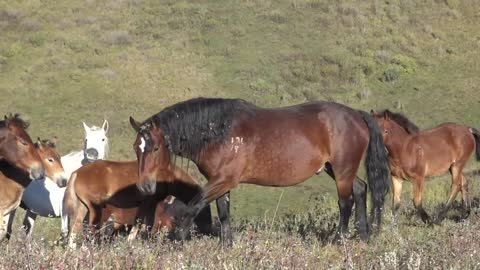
(23, 142)
(51, 160)
(103, 139)
(155, 149)
(386, 131)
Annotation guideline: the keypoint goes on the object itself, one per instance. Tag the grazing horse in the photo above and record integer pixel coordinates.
(415, 154)
(233, 141)
(45, 198)
(167, 213)
(111, 186)
(13, 181)
(16, 146)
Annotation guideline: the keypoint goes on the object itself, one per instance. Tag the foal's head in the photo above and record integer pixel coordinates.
(51, 161)
(393, 125)
(96, 142)
(17, 148)
(152, 154)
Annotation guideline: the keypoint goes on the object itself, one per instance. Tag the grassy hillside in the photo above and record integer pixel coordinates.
(62, 62)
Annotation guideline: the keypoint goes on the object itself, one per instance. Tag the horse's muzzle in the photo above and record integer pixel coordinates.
(37, 173)
(91, 154)
(148, 187)
(61, 181)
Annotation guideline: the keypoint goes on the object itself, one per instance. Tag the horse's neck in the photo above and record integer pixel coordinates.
(397, 143)
(11, 176)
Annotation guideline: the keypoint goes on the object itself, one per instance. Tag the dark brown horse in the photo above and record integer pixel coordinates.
(113, 185)
(415, 154)
(232, 142)
(16, 146)
(13, 182)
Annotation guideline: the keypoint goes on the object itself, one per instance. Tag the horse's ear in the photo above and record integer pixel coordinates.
(135, 125)
(87, 128)
(54, 141)
(38, 143)
(386, 114)
(105, 125)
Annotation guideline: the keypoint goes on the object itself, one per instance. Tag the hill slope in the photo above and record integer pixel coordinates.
(64, 62)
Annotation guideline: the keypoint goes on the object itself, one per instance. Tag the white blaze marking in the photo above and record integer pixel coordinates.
(142, 144)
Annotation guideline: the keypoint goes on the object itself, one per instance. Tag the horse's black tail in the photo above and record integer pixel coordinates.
(378, 172)
(476, 135)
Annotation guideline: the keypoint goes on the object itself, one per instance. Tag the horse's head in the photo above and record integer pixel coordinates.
(96, 142)
(17, 148)
(152, 154)
(51, 161)
(393, 125)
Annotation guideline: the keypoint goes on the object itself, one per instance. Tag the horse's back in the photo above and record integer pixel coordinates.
(297, 140)
(448, 140)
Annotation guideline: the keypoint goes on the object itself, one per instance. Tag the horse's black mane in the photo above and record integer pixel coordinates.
(16, 119)
(192, 125)
(403, 121)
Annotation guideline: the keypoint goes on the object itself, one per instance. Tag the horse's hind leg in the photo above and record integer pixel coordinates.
(76, 225)
(3, 226)
(345, 203)
(28, 222)
(456, 186)
(418, 185)
(465, 197)
(360, 198)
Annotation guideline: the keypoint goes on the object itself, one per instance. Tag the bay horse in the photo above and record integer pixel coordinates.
(16, 146)
(45, 198)
(13, 182)
(233, 141)
(415, 154)
(110, 186)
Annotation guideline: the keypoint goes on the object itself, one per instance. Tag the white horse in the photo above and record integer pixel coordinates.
(45, 198)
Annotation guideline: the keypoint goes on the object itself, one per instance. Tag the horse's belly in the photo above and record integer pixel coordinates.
(276, 181)
(44, 198)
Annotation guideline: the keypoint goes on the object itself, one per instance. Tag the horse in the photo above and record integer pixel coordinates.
(13, 181)
(233, 141)
(16, 146)
(415, 154)
(45, 198)
(166, 214)
(106, 187)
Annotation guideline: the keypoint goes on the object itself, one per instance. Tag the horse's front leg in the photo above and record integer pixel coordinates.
(397, 194)
(6, 226)
(215, 189)
(28, 222)
(418, 186)
(223, 208)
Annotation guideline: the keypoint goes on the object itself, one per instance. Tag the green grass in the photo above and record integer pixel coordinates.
(66, 62)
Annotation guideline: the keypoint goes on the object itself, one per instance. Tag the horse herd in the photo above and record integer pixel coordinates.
(231, 141)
